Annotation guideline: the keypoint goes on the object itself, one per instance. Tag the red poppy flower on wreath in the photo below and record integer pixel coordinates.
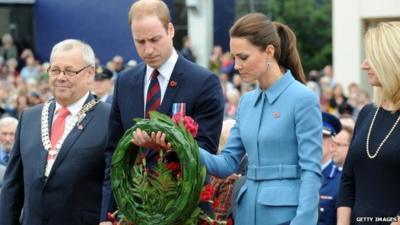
(209, 188)
(215, 204)
(188, 122)
(207, 193)
(111, 217)
(203, 222)
(173, 166)
(205, 196)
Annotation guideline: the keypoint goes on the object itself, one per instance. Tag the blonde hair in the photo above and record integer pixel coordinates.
(382, 46)
(143, 8)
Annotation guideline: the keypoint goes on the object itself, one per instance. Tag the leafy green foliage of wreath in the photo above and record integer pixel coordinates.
(156, 197)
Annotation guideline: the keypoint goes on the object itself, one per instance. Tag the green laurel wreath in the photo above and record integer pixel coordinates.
(157, 198)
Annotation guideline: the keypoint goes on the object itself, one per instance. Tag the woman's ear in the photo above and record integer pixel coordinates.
(270, 51)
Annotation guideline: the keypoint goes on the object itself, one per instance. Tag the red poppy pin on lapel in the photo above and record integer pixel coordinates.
(172, 83)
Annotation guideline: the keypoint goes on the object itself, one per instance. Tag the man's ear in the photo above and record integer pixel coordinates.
(91, 73)
(171, 29)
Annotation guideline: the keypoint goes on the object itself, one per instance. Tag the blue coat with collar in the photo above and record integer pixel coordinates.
(281, 131)
(191, 84)
(328, 192)
(72, 192)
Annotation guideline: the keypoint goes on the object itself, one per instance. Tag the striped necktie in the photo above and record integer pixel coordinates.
(153, 98)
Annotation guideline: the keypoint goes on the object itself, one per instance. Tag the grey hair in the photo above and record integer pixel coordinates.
(7, 121)
(68, 44)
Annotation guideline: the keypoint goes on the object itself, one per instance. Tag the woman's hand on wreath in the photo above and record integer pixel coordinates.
(155, 141)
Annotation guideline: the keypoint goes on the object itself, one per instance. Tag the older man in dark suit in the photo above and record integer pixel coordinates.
(56, 168)
(8, 125)
(164, 78)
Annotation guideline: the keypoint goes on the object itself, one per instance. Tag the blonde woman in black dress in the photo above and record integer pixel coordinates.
(369, 192)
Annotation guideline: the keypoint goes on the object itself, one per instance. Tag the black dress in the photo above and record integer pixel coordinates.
(371, 187)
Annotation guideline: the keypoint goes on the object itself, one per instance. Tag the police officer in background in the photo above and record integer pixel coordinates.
(330, 172)
(103, 84)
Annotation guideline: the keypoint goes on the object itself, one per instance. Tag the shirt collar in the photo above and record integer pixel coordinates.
(166, 68)
(104, 98)
(273, 92)
(74, 107)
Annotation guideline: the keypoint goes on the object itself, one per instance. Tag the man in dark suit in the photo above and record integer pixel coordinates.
(56, 168)
(169, 77)
(330, 171)
(8, 125)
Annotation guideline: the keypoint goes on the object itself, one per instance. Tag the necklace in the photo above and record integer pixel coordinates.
(75, 120)
(384, 140)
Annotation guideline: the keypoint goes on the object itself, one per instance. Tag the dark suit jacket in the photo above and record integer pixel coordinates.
(189, 83)
(72, 192)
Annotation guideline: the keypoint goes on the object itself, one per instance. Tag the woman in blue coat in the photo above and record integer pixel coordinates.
(278, 125)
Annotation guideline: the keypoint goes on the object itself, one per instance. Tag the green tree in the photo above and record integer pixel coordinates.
(311, 20)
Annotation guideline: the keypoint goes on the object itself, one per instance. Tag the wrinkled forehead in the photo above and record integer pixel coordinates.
(71, 57)
(66, 49)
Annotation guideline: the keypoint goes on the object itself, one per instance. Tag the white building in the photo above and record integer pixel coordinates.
(351, 19)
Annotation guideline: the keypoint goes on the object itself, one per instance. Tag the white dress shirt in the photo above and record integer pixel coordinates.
(73, 109)
(165, 71)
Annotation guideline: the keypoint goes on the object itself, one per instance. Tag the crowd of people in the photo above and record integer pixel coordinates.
(314, 152)
(333, 97)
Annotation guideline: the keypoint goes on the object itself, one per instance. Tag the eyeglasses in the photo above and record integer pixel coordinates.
(68, 72)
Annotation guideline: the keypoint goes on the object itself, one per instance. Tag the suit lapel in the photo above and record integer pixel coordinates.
(135, 101)
(173, 86)
(43, 152)
(72, 137)
(325, 174)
